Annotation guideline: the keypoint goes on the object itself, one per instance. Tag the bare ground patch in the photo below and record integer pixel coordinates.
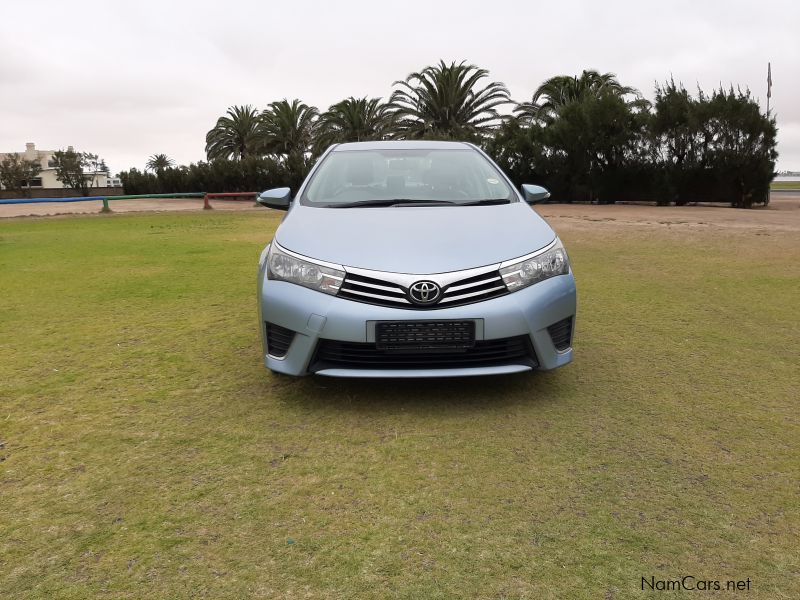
(782, 214)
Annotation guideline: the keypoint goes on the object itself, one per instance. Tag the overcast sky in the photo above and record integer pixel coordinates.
(130, 79)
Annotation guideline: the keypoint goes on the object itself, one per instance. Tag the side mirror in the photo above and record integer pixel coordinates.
(279, 198)
(534, 193)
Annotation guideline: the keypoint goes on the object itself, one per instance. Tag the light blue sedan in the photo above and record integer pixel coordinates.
(413, 259)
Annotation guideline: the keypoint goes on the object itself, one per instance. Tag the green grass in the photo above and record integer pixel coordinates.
(785, 185)
(146, 452)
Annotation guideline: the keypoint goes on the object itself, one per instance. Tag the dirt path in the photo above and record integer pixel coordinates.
(118, 206)
(783, 213)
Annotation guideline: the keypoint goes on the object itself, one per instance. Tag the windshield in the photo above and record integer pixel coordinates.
(379, 177)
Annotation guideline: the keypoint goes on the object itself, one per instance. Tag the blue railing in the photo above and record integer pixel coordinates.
(105, 199)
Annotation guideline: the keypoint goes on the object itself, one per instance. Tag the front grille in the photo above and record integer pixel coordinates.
(474, 289)
(373, 291)
(331, 354)
(278, 340)
(388, 293)
(561, 333)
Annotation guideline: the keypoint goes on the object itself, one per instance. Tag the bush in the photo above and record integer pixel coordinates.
(251, 174)
(682, 149)
(717, 149)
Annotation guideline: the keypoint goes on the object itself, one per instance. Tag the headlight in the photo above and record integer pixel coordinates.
(283, 266)
(536, 268)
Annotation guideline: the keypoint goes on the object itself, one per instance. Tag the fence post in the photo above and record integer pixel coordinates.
(206, 205)
(105, 208)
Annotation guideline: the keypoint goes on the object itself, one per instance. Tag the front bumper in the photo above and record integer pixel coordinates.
(315, 316)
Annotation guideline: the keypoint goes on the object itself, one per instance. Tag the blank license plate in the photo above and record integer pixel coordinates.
(424, 335)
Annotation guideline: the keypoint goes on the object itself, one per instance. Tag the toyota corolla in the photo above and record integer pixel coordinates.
(413, 259)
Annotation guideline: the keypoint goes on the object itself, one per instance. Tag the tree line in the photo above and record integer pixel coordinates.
(584, 137)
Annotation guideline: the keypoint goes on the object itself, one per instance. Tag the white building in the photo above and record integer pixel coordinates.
(47, 177)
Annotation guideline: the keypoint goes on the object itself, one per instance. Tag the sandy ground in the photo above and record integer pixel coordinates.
(783, 213)
(118, 206)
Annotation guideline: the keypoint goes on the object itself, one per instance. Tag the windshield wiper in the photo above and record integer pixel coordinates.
(392, 202)
(485, 201)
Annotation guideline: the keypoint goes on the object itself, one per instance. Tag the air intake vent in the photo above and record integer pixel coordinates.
(278, 340)
(561, 333)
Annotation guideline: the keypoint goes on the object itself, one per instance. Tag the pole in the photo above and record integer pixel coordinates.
(769, 84)
(769, 95)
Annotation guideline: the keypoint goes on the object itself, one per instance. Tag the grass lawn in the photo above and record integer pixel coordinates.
(146, 452)
(785, 185)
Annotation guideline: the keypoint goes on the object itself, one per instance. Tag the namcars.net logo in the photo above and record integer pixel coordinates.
(690, 583)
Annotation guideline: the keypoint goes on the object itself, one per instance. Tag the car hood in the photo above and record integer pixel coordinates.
(406, 239)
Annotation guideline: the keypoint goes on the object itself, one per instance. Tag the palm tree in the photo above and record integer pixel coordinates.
(353, 120)
(558, 91)
(157, 162)
(235, 135)
(444, 101)
(286, 129)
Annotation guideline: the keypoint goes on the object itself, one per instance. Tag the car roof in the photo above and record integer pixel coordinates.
(402, 145)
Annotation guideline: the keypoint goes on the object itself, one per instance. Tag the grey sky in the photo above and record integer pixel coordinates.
(130, 79)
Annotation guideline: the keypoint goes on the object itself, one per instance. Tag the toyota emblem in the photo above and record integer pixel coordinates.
(424, 292)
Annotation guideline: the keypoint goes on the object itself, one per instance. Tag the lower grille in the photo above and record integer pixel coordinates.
(278, 340)
(561, 333)
(331, 354)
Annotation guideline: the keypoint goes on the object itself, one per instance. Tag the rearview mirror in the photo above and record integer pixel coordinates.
(534, 193)
(279, 198)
